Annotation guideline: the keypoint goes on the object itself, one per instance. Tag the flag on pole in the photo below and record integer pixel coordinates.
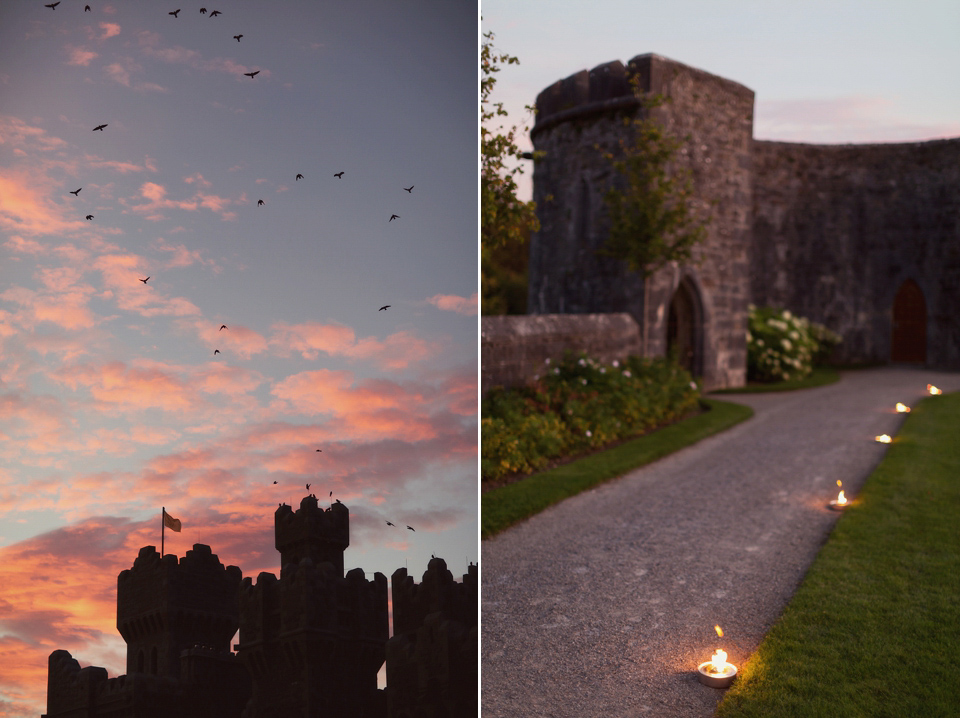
(170, 522)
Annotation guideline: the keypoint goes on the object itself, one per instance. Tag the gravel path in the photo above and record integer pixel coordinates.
(605, 604)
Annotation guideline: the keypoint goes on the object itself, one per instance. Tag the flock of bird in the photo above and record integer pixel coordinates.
(260, 202)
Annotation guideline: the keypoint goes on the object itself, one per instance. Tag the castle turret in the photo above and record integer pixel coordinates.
(165, 606)
(313, 641)
(322, 535)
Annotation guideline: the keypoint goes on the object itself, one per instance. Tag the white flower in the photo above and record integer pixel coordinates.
(794, 335)
(693, 385)
(615, 363)
(582, 362)
(759, 342)
(603, 370)
(786, 314)
(547, 360)
(589, 434)
(583, 381)
(626, 373)
(786, 344)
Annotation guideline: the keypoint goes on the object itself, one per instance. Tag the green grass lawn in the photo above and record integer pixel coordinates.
(506, 505)
(874, 629)
(820, 376)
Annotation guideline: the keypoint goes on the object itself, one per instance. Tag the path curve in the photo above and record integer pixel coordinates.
(604, 604)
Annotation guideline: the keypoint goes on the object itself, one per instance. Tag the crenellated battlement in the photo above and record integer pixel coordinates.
(437, 593)
(311, 641)
(310, 531)
(431, 659)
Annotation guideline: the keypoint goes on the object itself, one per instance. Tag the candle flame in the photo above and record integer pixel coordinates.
(902, 408)
(718, 630)
(839, 482)
(883, 439)
(718, 662)
(841, 499)
(933, 390)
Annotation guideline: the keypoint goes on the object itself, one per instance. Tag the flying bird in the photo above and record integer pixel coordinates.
(237, 37)
(252, 74)
(412, 529)
(308, 487)
(86, 8)
(384, 307)
(216, 351)
(203, 11)
(53, 6)
(393, 217)
(331, 494)
(410, 188)
(215, 13)
(76, 192)
(174, 13)
(274, 482)
(320, 450)
(99, 127)
(259, 203)
(390, 524)
(338, 175)
(145, 280)
(299, 177)
(89, 216)
(222, 327)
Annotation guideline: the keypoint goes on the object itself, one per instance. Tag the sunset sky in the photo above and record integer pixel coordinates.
(112, 401)
(824, 71)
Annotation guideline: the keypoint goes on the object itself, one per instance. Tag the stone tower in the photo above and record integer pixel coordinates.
(166, 606)
(313, 641)
(698, 309)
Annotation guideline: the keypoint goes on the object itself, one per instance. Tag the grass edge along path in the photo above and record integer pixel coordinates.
(873, 628)
(820, 376)
(505, 506)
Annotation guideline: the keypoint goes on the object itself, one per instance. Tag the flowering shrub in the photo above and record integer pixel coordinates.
(782, 346)
(577, 405)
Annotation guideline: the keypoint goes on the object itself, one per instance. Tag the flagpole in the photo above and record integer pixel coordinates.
(163, 525)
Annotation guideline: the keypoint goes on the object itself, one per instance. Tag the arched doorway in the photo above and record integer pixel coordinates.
(909, 339)
(684, 322)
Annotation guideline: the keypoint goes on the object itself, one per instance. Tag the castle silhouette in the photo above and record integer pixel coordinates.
(311, 642)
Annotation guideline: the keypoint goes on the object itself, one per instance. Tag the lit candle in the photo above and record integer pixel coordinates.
(902, 408)
(883, 439)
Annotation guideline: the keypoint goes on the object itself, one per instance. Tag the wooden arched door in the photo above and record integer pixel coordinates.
(683, 328)
(909, 338)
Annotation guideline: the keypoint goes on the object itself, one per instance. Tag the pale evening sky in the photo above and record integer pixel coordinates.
(112, 400)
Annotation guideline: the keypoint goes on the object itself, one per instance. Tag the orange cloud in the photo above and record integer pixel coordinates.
(453, 303)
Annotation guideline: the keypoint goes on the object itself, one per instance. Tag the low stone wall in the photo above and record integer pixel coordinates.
(513, 348)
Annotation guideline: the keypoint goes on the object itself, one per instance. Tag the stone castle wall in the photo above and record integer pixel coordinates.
(587, 114)
(514, 349)
(838, 228)
(830, 232)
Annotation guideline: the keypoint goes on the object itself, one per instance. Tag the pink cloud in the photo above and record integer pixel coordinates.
(81, 57)
(18, 134)
(310, 339)
(180, 256)
(156, 194)
(26, 206)
(110, 29)
(121, 167)
(453, 303)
